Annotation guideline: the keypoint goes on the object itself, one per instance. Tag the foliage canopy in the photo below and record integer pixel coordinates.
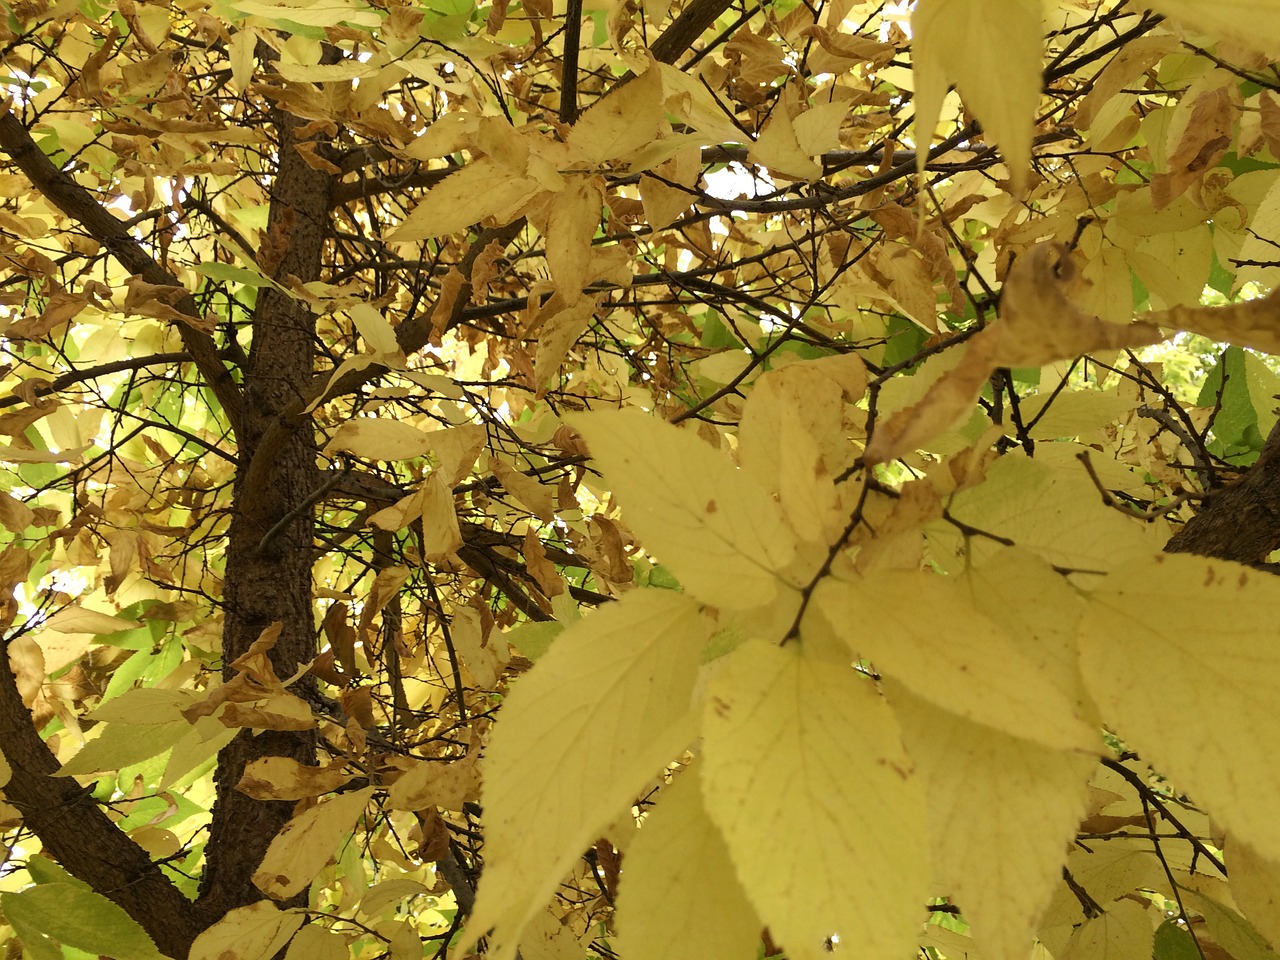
(817, 458)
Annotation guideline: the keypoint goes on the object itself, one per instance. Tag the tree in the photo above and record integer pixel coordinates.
(445, 439)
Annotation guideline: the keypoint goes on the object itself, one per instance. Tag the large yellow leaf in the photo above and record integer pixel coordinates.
(571, 223)
(578, 737)
(961, 42)
(480, 189)
(921, 629)
(1002, 814)
(315, 942)
(680, 897)
(255, 932)
(807, 780)
(717, 529)
(1255, 887)
(621, 123)
(792, 438)
(777, 148)
(1252, 22)
(1180, 654)
(1247, 323)
(1122, 933)
(1039, 607)
(379, 439)
(1053, 511)
(307, 843)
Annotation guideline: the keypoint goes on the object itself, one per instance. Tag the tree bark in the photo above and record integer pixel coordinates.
(1240, 522)
(269, 546)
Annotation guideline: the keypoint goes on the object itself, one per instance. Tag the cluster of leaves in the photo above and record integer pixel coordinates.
(444, 439)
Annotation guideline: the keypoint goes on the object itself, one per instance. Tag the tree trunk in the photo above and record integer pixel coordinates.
(269, 547)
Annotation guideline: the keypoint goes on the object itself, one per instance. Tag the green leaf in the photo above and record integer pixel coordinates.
(122, 744)
(1174, 942)
(78, 917)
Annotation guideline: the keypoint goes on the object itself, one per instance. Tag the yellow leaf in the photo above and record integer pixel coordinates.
(122, 744)
(680, 897)
(404, 942)
(777, 149)
(1255, 23)
(281, 711)
(307, 843)
(400, 514)
(456, 449)
(1249, 323)
(817, 129)
(1232, 932)
(571, 223)
(1053, 511)
(824, 819)
(311, 13)
(379, 439)
(1255, 887)
(1045, 629)
(958, 41)
(1073, 413)
(618, 125)
(1264, 224)
(557, 333)
(549, 938)
(1180, 654)
(790, 439)
(390, 893)
(1039, 325)
(1124, 932)
(1002, 814)
(374, 329)
(283, 778)
(716, 528)
(663, 204)
(921, 629)
(580, 734)
(441, 534)
(1107, 871)
(534, 495)
(143, 705)
(947, 402)
(482, 188)
(314, 942)
(1205, 140)
(447, 785)
(74, 618)
(255, 932)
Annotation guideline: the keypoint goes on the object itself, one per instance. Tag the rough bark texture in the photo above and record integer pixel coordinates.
(269, 549)
(1240, 522)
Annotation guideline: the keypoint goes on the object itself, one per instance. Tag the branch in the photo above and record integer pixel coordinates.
(75, 831)
(569, 69)
(43, 387)
(78, 203)
(693, 20)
